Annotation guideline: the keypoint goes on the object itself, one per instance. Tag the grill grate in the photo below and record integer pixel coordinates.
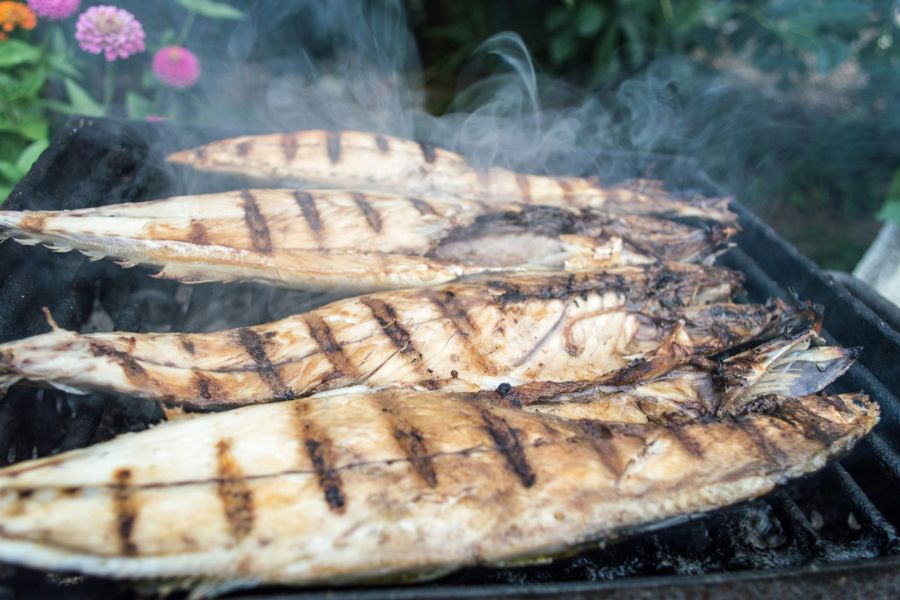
(842, 520)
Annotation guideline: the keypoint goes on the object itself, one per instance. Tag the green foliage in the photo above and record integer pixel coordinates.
(212, 10)
(890, 211)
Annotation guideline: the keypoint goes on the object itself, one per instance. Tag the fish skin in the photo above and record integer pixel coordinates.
(629, 323)
(323, 239)
(306, 492)
(362, 163)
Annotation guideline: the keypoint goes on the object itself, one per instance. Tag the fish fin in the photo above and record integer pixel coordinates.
(50, 320)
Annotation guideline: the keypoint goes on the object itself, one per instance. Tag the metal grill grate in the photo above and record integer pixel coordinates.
(842, 520)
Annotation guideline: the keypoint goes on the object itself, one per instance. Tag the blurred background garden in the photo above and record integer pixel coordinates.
(793, 106)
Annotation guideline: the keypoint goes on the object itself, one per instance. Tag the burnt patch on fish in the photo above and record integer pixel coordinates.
(253, 344)
(810, 425)
(386, 316)
(210, 390)
(32, 223)
(428, 152)
(373, 217)
(188, 345)
(382, 144)
(243, 148)
(410, 440)
(256, 224)
(323, 336)
(333, 144)
(524, 184)
(423, 207)
(289, 146)
(237, 498)
(307, 205)
(198, 234)
(125, 509)
(506, 441)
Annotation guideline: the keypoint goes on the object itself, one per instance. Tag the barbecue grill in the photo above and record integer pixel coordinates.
(834, 530)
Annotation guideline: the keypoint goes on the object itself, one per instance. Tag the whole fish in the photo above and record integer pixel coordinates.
(629, 323)
(381, 163)
(353, 241)
(394, 484)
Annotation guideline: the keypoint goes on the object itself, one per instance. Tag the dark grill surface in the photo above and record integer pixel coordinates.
(834, 531)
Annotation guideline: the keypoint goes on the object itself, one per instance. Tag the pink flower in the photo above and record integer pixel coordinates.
(176, 66)
(110, 30)
(55, 10)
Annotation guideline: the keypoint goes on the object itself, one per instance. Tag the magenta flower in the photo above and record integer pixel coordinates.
(176, 66)
(54, 10)
(110, 30)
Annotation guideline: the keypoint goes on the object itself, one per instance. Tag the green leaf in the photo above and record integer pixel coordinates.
(557, 18)
(137, 106)
(61, 64)
(890, 211)
(590, 18)
(4, 193)
(33, 124)
(32, 82)
(30, 154)
(81, 102)
(562, 47)
(10, 172)
(211, 9)
(17, 52)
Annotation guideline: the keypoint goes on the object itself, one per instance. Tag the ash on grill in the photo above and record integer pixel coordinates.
(847, 512)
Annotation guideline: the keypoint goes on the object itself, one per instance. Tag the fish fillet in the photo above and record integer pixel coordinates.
(353, 241)
(391, 484)
(629, 323)
(381, 163)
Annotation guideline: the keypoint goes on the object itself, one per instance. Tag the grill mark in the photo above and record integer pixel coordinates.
(243, 148)
(308, 207)
(256, 224)
(237, 498)
(423, 207)
(319, 450)
(686, 440)
(125, 509)
(323, 336)
(187, 344)
(210, 390)
(808, 423)
(599, 437)
(386, 315)
(454, 311)
(506, 441)
(372, 215)
(253, 344)
(524, 184)
(333, 142)
(759, 439)
(199, 234)
(289, 146)
(428, 152)
(411, 441)
(133, 370)
(382, 144)
(567, 189)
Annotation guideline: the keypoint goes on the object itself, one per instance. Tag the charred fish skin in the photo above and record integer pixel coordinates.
(355, 241)
(368, 485)
(375, 162)
(626, 325)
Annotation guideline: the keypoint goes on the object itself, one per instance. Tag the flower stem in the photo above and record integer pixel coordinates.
(186, 28)
(108, 86)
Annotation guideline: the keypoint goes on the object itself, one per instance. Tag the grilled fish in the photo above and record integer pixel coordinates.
(630, 323)
(355, 241)
(380, 163)
(391, 484)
